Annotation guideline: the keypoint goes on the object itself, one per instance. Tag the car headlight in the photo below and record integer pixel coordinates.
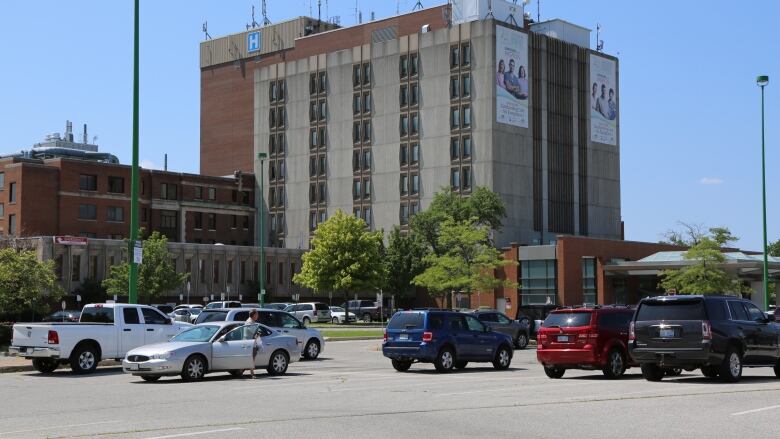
(162, 356)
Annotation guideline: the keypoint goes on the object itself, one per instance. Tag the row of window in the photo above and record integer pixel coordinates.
(211, 221)
(277, 90)
(317, 165)
(409, 65)
(318, 193)
(361, 160)
(460, 86)
(361, 131)
(276, 170)
(361, 103)
(361, 188)
(410, 184)
(460, 117)
(276, 196)
(276, 116)
(460, 148)
(317, 217)
(460, 178)
(88, 182)
(409, 124)
(317, 137)
(276, 144)
(361, 74)
(410, 154)
(113, 213)
(460, 55)
(318, 111)
(409, 95)
(318, 83)
(407, 211)
(363, 213)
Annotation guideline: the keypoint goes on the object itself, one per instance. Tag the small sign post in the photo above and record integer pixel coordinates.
(138, 252)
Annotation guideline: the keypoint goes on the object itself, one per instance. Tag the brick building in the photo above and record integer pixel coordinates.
(66, 196)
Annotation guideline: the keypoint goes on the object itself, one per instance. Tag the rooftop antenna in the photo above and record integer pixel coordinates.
(490, 10)
(538, 11)
(319, 11)
(206, 30)
(511, 18)
(599, 42)
(266, 21)
(398, 7)
(310, 8)
(94, 140)
(418, 5)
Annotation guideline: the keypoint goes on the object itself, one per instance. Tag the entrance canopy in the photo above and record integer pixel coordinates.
(737, 264)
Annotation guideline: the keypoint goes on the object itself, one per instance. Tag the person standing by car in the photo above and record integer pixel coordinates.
(253, 317)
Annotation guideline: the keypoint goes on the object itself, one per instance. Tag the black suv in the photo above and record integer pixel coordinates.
(718, 334)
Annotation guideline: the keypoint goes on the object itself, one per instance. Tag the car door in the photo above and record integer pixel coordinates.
(290, 326)
(264, 341)
(507, 325)
(133, 334)
(156, 326)
(766, 337)
(749, 330)
(233, 351)
(483, 341)
(466, 343)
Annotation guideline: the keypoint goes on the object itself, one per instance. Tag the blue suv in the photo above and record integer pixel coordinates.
(448, 339)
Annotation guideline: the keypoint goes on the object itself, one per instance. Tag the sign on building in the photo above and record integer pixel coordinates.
(603, 100)
(71, 240)
(511, 77)
(253, 42)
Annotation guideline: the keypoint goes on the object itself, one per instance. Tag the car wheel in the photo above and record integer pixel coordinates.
(710, 371)
(674, 372)
(460, 364)
(335, 320)
(652, 372)
(445, 361)
(278, 364)
(777, 369)
(312, 349)
(503, 358)
(554, 372)
(367, 318)
(306, 321)
(521, 342)
(237, 373)
(731, 368)
(44, 365)
(150, 378)
(400, 365)
(84, 359)
(616, 364)
(194, 368)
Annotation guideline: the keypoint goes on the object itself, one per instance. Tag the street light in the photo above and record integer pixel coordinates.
(762, 81)
(261, 268)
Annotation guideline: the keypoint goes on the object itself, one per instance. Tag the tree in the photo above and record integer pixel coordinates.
(24, 280)
(403, 260)
(156, 273)
(91, 291)
(344, 257)
(773, 249)
(468, 265)
(703, 277)
(693, 234)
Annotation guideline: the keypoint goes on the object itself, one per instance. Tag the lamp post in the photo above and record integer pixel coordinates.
(133, 281)
(762, 81)
(260, 233)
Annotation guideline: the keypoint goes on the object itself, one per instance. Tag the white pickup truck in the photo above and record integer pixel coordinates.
(104, 331)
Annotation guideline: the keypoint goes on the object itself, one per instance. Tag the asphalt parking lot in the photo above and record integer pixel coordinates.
(352, 391)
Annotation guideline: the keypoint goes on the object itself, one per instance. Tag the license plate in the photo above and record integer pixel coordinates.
(667, 333)
(23, 349)
(563, 338)
(403, 337)
(133, 367)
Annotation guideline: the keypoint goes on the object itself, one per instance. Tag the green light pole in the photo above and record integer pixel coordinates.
(762, 81)
(260, 214)
(133, 283)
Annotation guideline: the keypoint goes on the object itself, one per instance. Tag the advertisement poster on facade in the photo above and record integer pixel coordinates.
(603, 100)
(512, 84)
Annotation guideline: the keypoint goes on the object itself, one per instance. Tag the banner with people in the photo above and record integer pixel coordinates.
(603, 100)
(512, 82)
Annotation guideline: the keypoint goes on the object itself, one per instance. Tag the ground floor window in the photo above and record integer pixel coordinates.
(538, 282)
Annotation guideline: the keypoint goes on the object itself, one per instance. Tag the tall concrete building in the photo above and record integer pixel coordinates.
(376, 118)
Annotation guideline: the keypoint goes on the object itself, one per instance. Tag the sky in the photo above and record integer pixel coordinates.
(690, 108)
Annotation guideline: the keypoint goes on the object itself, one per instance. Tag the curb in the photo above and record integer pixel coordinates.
(29, 368)
(335, 339)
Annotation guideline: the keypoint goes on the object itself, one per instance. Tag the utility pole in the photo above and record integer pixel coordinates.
(133, 283)
(261, 268)
(762, 81)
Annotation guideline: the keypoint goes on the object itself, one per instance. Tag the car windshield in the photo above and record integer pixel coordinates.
(671, 310)
(212, 316)
(567, 319)
(196, 311)
(406, 320)
(337, 309)
(198, 333)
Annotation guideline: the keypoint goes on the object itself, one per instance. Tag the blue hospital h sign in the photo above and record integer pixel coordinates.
(253, 42)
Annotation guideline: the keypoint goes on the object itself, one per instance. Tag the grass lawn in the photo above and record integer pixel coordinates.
(352, 333)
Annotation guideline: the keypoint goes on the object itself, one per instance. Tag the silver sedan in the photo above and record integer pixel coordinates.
(214, 347)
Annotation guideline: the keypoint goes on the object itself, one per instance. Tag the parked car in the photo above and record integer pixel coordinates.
(63, 316)
(311, 339)
(534, 315)
(337, 315)
(366, 310)
(188, 315)
(279, 306)
(104, 331)
(499, 322)
(448, 339)
(717, 334)
(588, 338)
(164, 307)
(213, 347)
(188, 306)
(223, 304)
(250, 305)
(310, 312)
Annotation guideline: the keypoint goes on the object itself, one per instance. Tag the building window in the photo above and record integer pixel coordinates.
(404, 154)
(413, 67)
(212, 193)
(366, 131)
(537, 280)
(234, 195)
(168, 191)
(272, 197)
(415, 128)
(75, 269)
(116, 185)
(466, 147)
(404, 127)
(465, 54)
(454, 57)
(88, 182)
(280, 117)
(322, 138)
(589, 280)
(356, 132)
(272, 119)
(454, 118)
(12, 225)
(2, 180)
(245, 198)
(87, 211)
(366, 159)
(356, 189)
(404, 184)
(454, 87)
(202, 270)
(313, 84)
(322, 164)
(367, 102)
(414, 94)
(367, 188)
(246, 222)
(272, 93)
(404, 66)
(115, 213)
(235, 222)
(366, 73)
(144, 214)
(313, 138)
(455, 178)
(323, 82)
(215, 265)
(404, 216)
(280, 163)
(280, 194)
(312, 166)
(322, 110)
(312, 220)
(415, 184)
(313, 111)
(212, 217)
(413, 209)
(356, 75)
(198, 219)
(466, 116)
(466, 82)
(356, 103)
(198, 193)
(2, 210)
(280, 144)
(323, 192)
(168, 219)
(12, 192)
(455, 148)
(404, 95)
(356, 161)
(280, 274)
(466, 183)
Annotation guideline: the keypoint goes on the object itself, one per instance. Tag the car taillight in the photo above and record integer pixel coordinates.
(631, 334)
(54, 338)
(427, 336)
(385, 336)
(541, 336)
(706, 330)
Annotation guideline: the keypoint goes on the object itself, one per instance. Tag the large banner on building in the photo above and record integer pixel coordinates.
(603, 100)
(512, 84)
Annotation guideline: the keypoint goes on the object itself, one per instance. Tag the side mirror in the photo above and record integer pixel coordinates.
(221, 339)
(488, 328)
(769, 318)
(168, 321)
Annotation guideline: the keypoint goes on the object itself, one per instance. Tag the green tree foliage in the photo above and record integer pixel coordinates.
(156, 274)
(773, 249)
(692, 234)
(404, 260)
(469, 263)
(344, 257)
(703, 277)
(91, 291)
(24, 281)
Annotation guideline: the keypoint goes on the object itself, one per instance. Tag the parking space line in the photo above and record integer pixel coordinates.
(196, 433)
(746, 412)
(57, 427)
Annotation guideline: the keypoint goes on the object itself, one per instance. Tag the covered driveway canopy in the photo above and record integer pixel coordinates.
(747, 267)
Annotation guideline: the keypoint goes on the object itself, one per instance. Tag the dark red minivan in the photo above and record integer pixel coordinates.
(585, 338)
